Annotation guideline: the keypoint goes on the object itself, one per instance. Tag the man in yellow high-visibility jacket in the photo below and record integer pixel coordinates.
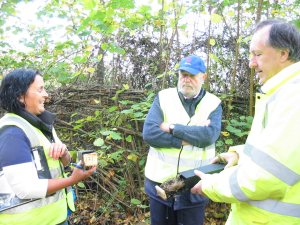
(264, 186)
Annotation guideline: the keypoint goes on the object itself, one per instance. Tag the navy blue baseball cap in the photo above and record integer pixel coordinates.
(192, 64)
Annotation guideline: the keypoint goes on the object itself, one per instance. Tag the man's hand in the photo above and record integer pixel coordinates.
(197, 189)
(231, 158)
(165, 127)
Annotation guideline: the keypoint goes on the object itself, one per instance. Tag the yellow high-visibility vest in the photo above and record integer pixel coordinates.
(51, 209)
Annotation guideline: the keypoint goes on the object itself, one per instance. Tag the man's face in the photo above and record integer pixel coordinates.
(189, 85)
(35, 96)
(266, 60)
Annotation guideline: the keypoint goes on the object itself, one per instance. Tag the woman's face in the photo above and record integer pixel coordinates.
(35, 96)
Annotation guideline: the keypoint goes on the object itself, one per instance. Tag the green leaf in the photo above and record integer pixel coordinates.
(143, 206)
(115, 136)
(229, 141)
(214, 57)
(133, 157)
(129, 138)
(117, 4)
(215, 18)
(135, 201)
(99, 142)
(138, 114)
(103, 163)
(89, 4)
(105, 133)
(81, 185)
(127, 111)
(219, 143)
(212, 42)
(116, 155)
(112, 109)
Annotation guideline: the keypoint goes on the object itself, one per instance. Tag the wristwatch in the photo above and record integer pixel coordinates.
(171, 128)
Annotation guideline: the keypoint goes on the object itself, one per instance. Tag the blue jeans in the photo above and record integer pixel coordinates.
(64, 223)
(165, 215)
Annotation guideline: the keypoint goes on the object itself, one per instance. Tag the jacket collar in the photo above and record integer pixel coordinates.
(43, 122)
(280, 78)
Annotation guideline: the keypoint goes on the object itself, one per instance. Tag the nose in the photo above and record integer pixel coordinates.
(186, 78)
(45, 93)
(252, 62)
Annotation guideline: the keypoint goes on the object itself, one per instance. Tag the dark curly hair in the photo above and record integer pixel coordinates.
(13, 86)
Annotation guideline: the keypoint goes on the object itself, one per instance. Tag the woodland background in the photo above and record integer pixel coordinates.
(104, 61)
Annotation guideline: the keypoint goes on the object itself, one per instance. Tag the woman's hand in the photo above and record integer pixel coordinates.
(58, 150)
(80, 174)
(76, 176)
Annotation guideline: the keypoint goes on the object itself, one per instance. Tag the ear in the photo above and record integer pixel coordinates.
(204, 76)
(284, 55)
(22, 99)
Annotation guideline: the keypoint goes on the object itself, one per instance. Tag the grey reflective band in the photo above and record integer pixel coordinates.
(271, 165)
(274, 206)
(277, 169)
(173, 160)
(235, 188)
(270, 205)
(36, 204)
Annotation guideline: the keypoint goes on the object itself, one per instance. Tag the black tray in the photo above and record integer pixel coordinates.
(190, 179)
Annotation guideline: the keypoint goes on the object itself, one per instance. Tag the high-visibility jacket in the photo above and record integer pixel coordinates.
(264, 188)
(162, 162)
(51, 209)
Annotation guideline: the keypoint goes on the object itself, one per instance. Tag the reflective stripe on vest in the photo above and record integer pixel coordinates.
(162, 162)
(51, 203)
(270, 205)
(191, 160)
(271, 165)
(278, 170)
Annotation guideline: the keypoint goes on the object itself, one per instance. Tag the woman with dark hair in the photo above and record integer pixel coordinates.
(33, 188)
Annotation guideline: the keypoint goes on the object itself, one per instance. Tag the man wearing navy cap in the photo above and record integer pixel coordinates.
(181, 128)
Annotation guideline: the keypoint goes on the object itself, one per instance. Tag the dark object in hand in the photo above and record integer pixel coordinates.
(185, 181)
(190, 179)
